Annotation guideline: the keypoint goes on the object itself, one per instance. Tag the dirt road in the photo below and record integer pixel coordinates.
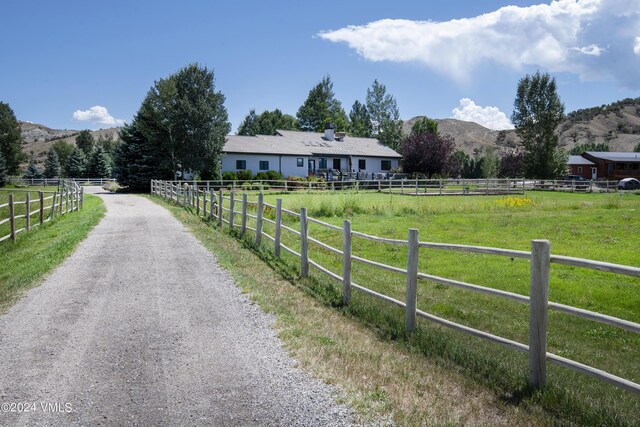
(140, 326)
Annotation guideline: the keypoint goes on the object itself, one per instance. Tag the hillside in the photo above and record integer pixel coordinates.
(616, 124)
(39, 138)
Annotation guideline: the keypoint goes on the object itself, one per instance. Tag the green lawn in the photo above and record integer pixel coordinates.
(36, 253)
(603, 227)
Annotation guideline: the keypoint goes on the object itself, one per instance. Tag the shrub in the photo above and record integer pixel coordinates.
(229, 176)
(269, 176)
(245, 175)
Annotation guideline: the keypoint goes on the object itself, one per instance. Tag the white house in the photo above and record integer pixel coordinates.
(306, 153)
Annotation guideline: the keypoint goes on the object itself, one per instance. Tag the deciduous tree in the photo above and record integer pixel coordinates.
(536, 115)
(266, 123)
(64, 150)
(360, 119)
(184, 118)
(10, 139)
(424, 124)
(3, 171)
(85, 142)
(428, 154)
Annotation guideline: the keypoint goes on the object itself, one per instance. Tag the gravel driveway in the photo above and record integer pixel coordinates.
(140, 326)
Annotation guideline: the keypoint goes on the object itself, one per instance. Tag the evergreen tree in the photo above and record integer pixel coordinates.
(536, 115)
(52, 164)
(32, 170)
(100, 164)
(360, 119)
(636, 149)
(3, 171)
(385, 116)
(10, 139)
(85, 142)
(321, 107)
(76, 164)
(136, 160)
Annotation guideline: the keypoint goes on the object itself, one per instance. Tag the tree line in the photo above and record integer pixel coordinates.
(180, 128)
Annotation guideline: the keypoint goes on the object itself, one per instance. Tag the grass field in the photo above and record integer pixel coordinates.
(594, 226)
(36, 253)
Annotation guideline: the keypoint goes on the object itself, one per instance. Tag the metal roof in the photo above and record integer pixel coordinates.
(306, 144)
(615, 156)
(579, 160)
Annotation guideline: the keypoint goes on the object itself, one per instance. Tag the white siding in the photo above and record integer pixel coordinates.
(288, 164)
(280, 163)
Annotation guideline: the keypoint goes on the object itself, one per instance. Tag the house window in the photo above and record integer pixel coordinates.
(300, 162)
(362, 164)
(241, 164)
(264, 165)
(579, 169)
(322, 164)
(385, 165)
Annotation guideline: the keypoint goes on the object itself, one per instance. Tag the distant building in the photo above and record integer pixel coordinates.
(605, 165)
(308, 153)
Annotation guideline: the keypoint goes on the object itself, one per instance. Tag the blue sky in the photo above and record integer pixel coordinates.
(99, 59)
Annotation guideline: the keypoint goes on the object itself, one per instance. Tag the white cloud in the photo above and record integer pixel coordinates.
(563, 36)
(636, 46)
(99, 115)
(489, 117)
(593, 50)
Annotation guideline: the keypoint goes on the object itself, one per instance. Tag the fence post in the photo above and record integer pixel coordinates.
(412, 280)
(204, 203)
(12, 217)
(539, 297)
(244, 213)
(81, 197)
(53, 207)
(212, 198)
(220, 211)
(197, 200)
(66, 199)
(346, 262)
(304, 244)
(27, 217)
(278, 231)
(231, 208)
(440, 186)
(41, 197)
(259, 218)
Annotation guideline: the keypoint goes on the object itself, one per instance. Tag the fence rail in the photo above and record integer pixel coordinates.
(415, 187)
(69, 198)
(46, 182)
(540, 259)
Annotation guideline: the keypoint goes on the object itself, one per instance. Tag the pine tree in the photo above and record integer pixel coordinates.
(76, 164)
(136, 160)
(3, 171)
(10, 139)
(52, 164)
(100, 164)
(32, 170)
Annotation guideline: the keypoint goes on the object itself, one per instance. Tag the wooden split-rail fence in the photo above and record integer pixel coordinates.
(24, 213)
(221, 208)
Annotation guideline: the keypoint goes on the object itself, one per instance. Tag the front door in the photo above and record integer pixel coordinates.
(336, 164)
(312, 167)
(594, 173)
